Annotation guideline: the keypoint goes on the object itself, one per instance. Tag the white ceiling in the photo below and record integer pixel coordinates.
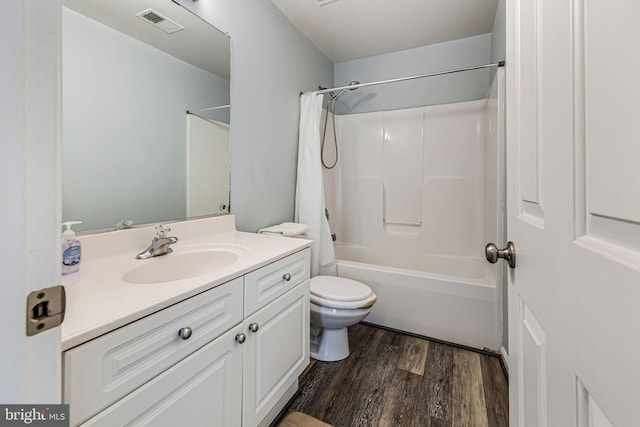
(199, 44)
(349, 29)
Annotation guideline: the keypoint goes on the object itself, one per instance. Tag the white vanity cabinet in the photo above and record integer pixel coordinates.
(277, 336)
(229, 356)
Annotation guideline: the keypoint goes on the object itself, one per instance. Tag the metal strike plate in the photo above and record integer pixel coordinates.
(45, 309)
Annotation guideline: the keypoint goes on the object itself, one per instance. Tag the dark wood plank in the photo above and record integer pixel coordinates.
(400, 405)
(437, 422)
(315, 382)
(370, 388)
(356, 392)
(308, 368)
(316, 396)
(413, 354)
(468, 404)
(496, 391)
(436, 389)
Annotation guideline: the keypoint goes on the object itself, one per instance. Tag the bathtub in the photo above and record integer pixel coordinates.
(448, 298)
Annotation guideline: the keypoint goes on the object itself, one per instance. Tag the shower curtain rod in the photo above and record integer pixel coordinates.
(400, 79)
(207, 109)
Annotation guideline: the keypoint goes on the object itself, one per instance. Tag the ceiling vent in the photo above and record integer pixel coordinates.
(156, 19)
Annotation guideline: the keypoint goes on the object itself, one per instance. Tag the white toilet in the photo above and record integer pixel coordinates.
(336, 303)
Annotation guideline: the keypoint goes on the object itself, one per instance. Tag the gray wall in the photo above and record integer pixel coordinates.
(271, 63)
(498, 34)
(124, 125)
(457, 87)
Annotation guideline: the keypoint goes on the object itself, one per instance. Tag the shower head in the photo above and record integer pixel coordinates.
(344, 90)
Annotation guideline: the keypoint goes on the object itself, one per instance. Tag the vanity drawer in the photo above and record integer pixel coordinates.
(269, 282)
(102, 371)
(205, 389)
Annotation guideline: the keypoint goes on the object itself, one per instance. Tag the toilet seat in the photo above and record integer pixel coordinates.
(339, 292)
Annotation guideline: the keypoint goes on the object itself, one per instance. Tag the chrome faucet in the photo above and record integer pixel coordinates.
(160, 243)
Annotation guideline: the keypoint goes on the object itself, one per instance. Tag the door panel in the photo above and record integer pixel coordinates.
(611, 107)
(533, 358)
(572, 92)
(590, 413)
(608, 179)
(530, 184)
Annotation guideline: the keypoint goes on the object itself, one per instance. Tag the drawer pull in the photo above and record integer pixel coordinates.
(185, 333)
(253, 327)
(240, 338)
(286, 277)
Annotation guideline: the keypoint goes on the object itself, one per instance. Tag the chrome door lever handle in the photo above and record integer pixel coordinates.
(508, 254)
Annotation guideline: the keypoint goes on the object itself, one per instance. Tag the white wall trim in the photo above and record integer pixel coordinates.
(505, 358)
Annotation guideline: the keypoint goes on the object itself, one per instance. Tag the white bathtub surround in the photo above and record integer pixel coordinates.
(207, 166)
(456, 306)
(414, 174)
(310, 205)
(413, 205)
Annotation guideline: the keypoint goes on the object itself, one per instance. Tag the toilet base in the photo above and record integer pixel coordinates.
(332, 345)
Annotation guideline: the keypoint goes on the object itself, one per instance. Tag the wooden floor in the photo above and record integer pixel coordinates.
(392, 379)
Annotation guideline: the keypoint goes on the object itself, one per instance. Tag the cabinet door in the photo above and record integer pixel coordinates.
(205, 389)
(276, 353)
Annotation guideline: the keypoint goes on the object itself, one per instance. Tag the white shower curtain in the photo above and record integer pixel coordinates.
(310, 187)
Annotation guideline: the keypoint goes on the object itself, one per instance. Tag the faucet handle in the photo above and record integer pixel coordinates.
(161, 229)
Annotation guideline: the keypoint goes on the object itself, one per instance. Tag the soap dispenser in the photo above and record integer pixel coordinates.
(71, 250)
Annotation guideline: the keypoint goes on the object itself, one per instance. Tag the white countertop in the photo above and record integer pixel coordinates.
(99, 300)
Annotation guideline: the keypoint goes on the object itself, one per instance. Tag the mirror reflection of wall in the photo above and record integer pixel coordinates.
(125, 127)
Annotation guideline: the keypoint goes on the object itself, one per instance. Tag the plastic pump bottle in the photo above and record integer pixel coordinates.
(71, 250)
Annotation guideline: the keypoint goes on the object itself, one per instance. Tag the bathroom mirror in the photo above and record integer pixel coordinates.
(145, 114)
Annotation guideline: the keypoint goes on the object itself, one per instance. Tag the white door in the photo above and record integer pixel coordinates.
(573, 147)
(29, 129)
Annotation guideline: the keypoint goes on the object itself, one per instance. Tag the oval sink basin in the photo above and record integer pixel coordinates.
(172, 267)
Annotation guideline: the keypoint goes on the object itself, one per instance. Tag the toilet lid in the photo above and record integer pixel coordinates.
(339, 289)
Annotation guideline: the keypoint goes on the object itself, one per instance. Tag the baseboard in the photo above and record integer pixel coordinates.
(485, 351)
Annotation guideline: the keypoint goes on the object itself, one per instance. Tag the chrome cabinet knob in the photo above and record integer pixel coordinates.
(253, 327)
(185, 333)
(508, 254)
(286, 277)
(240, 338)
